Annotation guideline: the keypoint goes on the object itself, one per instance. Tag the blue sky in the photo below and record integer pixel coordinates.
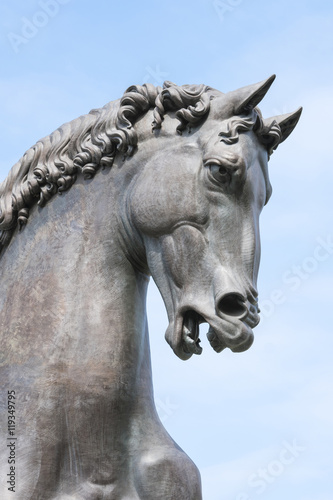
(258, 424)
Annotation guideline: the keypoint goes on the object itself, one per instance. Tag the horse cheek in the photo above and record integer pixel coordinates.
(149, 210)
(184, 252)
(156, 206)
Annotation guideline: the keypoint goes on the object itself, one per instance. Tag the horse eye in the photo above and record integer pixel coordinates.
(219, 172)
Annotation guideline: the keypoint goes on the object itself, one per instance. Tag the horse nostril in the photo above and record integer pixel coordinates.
(232, 304)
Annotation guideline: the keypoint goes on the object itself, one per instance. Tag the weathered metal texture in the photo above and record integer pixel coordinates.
(181, 205)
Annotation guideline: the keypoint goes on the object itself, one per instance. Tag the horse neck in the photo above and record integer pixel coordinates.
(92, 296)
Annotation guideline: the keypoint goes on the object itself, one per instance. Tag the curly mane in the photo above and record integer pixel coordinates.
(92, 141)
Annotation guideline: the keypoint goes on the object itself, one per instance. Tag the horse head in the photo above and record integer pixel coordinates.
(189, 201)
(195, 207)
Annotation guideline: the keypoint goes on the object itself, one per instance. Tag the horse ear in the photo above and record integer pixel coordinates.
(246, 98)
(286, 122)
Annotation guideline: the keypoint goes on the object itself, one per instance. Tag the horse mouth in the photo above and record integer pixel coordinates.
(191, 341)
(234, 333)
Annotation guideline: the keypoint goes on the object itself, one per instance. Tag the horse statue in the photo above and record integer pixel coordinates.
(165, 182)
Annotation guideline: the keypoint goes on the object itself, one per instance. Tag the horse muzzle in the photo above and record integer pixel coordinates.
(231, 326)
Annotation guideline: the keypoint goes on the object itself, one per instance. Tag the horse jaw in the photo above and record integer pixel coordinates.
(191, 295)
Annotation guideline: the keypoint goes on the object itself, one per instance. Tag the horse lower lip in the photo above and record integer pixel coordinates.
(215, 341)
(237, 341)
(243, 346)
